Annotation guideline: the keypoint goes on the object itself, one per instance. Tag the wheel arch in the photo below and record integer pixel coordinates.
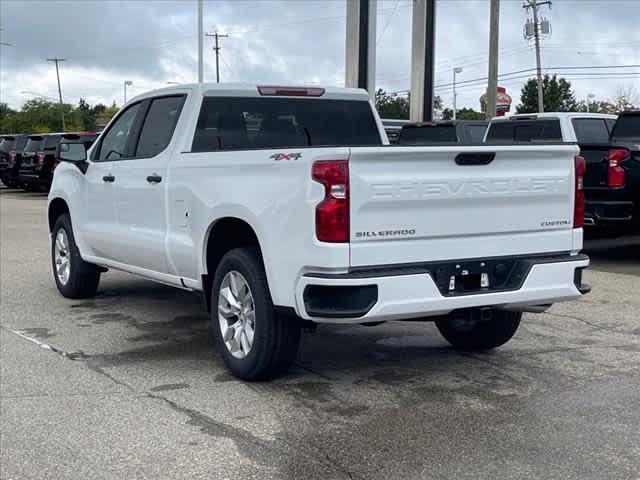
(225, 234)
(57, 206)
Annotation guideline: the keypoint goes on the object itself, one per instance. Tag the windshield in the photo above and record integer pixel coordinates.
(51, 142)
(33, 145)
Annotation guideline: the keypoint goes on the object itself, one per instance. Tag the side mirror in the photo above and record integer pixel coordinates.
(74, 152)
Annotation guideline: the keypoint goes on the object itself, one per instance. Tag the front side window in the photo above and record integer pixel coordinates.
(246, 123)
(114, 143)
(158, 126)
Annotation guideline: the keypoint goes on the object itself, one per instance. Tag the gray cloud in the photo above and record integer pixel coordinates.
(294, 41)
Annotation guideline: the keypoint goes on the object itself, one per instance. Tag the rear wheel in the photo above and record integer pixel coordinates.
(479, 330)
(74, 277)
(254, 342)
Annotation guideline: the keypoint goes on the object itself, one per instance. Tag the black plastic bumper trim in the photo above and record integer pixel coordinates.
(332, 301)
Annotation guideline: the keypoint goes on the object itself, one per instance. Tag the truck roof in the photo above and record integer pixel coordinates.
(252, 90)
(521, 116)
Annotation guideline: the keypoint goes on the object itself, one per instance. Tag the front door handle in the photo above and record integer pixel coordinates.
(109, 178)
(154, 178)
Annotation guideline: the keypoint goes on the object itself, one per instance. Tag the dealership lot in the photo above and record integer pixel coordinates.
(128, 386)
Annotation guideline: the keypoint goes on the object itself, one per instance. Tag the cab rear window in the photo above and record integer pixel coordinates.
(425, 135)
(251, 123)
(524, 131)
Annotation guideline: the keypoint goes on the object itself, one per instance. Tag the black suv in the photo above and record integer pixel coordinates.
(36, 170)
(11, 147)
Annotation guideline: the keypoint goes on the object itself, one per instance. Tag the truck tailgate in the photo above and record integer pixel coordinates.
(418, 204)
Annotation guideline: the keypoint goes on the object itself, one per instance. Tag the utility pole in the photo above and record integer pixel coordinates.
(57, 60)
(200, 44)
(217, 36)
(494, 35)
(533, 5)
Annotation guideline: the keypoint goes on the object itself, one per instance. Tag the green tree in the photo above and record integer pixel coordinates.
(557, 92)
(394, 106)
(391, 106)
(463, 114)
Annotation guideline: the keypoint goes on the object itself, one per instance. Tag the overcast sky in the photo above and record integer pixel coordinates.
(299, 41)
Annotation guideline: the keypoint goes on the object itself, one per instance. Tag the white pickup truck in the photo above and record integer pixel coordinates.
(287, 207)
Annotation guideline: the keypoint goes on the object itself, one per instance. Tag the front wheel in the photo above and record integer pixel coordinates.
(479, 330)
(254, 342)
(74, 277)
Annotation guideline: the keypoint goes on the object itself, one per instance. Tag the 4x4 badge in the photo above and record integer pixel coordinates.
(286, 156)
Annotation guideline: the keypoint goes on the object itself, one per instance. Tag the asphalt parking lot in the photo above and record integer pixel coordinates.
(128, 386)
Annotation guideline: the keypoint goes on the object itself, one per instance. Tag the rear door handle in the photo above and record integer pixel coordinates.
(154, 178)
(109, 178)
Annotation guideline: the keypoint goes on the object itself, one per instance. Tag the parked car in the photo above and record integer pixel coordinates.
(36, 170)
(308, 218)
(392, 128)
(40, 173)
(9, 171)
(612, 180)
(6, 145)
(570, 127)
(453, 132)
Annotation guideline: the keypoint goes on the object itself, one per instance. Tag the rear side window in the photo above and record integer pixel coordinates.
(159, 125)
(525, 131)
(591, 130)
(425, 135)
(627, 127)
(248, 123)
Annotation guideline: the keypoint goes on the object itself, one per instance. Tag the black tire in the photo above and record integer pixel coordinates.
(466, 330)
(276, 338)
(83, 277)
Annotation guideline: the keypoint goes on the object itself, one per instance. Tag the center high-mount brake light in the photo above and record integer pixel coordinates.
(615, 173)
(579, 202)
(272, 91)
(332, 213)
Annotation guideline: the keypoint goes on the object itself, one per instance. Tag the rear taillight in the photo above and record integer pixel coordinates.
(332, 213)
(579, 202)
(40, 158)
(615, 172)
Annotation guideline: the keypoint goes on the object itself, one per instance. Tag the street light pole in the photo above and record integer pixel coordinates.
(200, 43)
(456, 70)
(57, 60)
(127, 83)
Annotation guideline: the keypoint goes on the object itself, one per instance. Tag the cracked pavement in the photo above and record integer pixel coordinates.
(127, 385)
